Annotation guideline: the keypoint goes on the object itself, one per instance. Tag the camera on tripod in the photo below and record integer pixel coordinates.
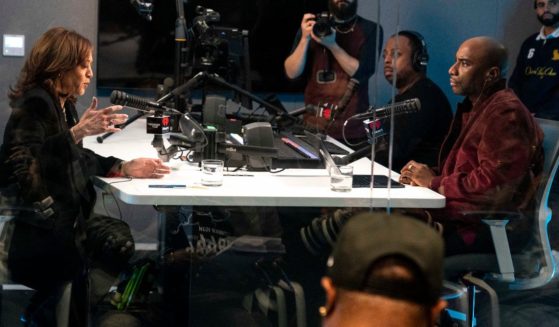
(324, 24)
(211, 50)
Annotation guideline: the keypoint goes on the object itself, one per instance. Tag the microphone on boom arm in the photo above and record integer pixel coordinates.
(398, 108)
(142, 105)
(148, 106)
(139, 103)
(158, 124)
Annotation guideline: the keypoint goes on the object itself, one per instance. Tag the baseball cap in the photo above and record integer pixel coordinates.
(368, 237)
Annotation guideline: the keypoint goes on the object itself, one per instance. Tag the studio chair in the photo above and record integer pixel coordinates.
(532, 267)
(62, 308)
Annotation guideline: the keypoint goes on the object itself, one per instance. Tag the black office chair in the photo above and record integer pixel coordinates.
(529, 269)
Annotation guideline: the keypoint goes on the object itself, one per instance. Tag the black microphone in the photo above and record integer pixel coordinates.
(157, 124)
(310, 108)
(402, 107)
(139, 103)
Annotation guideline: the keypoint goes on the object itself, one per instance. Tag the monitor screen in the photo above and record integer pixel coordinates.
(136, 53)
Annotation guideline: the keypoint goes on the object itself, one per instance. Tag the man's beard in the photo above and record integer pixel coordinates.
(344, 12)
(549, 21)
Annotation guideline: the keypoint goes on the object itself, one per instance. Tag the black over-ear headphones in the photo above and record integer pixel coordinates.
(420, 56)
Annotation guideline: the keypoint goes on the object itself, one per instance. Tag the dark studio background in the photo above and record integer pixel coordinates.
(134, 53)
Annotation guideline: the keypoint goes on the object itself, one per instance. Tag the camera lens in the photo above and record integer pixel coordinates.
(323, 25)
(322, 28)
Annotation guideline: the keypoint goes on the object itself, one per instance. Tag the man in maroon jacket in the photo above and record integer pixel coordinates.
(491, 156)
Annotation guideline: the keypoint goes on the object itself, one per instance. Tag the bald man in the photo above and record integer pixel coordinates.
(491, 157)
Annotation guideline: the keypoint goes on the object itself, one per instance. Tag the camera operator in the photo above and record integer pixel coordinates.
(330, 56)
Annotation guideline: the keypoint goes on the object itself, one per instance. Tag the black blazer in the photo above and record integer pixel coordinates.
(40, 159)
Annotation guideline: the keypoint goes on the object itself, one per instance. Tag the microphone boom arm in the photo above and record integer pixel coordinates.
(204, 76)
(398, 108)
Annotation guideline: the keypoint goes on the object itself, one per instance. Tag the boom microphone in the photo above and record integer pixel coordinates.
(125, 99)
(308, 108)
(141, 104)
(402, 107)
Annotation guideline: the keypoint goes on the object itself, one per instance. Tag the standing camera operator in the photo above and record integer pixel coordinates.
(330, 58)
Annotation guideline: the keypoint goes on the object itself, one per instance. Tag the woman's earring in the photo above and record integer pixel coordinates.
(323, 311)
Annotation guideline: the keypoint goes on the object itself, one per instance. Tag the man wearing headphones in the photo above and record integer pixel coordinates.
(536, 76)
(336, 58)
(491, 158)
(416, 135)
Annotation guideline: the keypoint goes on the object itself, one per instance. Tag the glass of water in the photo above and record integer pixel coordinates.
(212, 172)
(341, 179)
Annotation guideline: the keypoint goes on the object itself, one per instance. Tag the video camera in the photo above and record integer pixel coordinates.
(205, 16)
(211, 50)
(324, 24)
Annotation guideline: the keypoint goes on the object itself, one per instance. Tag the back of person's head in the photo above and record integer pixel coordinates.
(386, 266)
(57, 51)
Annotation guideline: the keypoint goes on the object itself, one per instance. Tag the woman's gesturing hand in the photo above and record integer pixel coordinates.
(96, 121)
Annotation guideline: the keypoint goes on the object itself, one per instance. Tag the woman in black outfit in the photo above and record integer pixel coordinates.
(45, 167)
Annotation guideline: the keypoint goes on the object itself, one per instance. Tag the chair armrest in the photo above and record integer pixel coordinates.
(493, 215)
(497, 221)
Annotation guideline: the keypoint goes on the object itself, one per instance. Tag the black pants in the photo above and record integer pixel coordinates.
(47, 259)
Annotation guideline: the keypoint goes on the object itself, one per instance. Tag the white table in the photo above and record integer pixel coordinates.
(291, 187)
(288, 188)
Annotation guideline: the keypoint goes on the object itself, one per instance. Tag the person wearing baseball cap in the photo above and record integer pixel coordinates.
(385, 270)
